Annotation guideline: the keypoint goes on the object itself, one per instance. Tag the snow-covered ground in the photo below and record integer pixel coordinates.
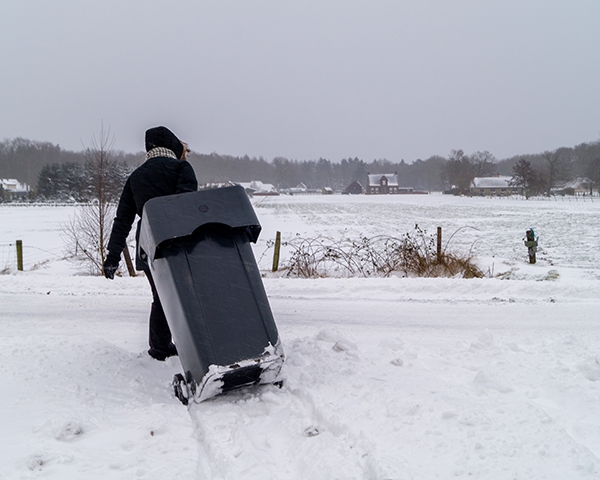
(385, 378)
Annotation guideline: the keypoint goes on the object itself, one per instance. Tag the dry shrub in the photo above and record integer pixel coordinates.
(86, 235)
(414, 255)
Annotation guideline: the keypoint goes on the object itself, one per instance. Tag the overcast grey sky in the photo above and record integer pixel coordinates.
(305, 79)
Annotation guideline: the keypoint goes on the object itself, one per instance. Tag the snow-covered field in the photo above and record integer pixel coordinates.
(385, 378)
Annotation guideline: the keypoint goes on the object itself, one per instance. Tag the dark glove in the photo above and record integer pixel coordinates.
(110, 267)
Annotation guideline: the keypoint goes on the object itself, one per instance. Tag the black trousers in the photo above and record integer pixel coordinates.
(160, 333)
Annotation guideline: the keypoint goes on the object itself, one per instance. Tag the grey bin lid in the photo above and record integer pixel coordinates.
(176, 216)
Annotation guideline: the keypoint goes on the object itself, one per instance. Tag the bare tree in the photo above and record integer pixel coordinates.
(458, 170)
(484, 163)
(86, 235)
(558, 167)
(87, 232)
(593, 172)
(101, 167)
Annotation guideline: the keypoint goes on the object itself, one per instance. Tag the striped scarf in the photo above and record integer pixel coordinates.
(160, 152)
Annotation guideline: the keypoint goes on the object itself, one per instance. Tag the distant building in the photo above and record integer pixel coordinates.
(327, 191)
(494, 186)
(382, 184)
(578, 186)
(297, 190)
(14, 188)
(354, 188)
(386, 184)
(256, 187)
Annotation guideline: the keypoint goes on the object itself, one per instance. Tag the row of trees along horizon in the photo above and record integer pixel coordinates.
(55, 174)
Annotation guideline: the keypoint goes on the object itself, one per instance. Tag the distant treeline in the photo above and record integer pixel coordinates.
(44, 166)
(314, 174)
(25, 159)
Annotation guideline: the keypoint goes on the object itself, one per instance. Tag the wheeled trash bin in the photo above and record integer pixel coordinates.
(197, 246)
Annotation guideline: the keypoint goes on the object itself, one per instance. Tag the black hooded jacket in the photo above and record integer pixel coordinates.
(156, 177)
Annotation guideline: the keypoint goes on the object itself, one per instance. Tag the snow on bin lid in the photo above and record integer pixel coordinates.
(175, 216)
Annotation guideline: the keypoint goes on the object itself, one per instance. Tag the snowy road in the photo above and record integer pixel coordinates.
(385, 378)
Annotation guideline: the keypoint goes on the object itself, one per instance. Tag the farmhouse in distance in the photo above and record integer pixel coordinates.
(386, 184)
(499, 185)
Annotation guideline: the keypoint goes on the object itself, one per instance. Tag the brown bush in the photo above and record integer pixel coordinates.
(414, 254)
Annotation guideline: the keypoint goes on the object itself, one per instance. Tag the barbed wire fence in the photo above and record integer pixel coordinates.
(33, 257)
(544, 198)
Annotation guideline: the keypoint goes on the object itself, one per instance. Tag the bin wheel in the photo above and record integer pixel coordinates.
(180, 388)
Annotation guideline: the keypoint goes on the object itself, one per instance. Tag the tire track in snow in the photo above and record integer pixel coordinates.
(272, 433)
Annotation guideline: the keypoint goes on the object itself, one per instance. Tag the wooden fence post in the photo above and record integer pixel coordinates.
(276, 252)
(439, 244)
(20, 255)
(128, 262)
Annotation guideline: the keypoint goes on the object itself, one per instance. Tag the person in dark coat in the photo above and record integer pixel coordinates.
(165, 172)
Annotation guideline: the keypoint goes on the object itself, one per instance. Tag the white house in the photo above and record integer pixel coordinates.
(256, 187)
(14, 187)
(496, 185)
(578, 186)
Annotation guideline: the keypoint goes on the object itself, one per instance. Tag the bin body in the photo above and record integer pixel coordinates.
(197, 246)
